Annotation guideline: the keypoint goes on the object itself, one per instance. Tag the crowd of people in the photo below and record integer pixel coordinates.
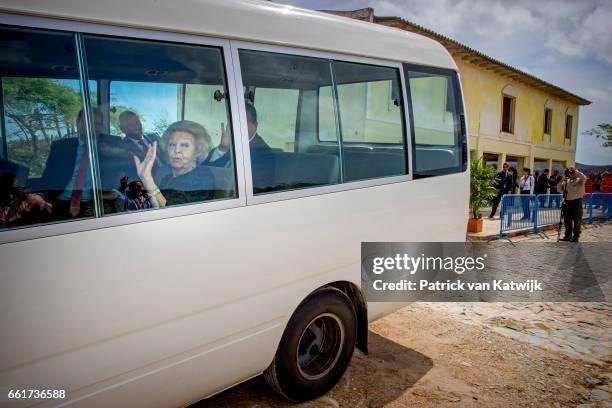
(507, 181)
(569, 188)
(599, 182)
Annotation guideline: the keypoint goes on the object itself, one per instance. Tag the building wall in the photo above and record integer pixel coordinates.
(483, 91)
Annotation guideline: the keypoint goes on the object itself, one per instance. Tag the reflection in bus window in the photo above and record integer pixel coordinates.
(41, 98)
(164, 108)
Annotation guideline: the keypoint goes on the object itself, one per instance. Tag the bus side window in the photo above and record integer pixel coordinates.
(163, 97)
(436, 112)
(281, 121)
(41, 102)
(372, 121)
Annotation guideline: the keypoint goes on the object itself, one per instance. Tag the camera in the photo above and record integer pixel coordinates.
(569, 172)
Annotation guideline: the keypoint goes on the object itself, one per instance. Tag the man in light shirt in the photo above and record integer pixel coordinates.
(572, 187)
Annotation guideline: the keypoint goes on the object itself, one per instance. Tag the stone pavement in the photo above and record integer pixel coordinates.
(581, 331)
(490, 227)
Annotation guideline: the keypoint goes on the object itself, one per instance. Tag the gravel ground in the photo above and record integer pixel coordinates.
(472, 355)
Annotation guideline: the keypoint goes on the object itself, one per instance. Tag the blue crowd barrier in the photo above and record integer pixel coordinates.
(529, 212)
(549, 209)
(587, 209)
(518, 212)
(601, 206)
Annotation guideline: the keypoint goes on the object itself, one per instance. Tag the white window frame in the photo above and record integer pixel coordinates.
(73, 226)
(313, 191)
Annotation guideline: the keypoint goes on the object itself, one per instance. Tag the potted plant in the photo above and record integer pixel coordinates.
(481, 192)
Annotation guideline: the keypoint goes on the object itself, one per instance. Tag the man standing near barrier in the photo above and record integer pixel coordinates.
(554, 181)
(503, 183)
(541, 186)
(572, 185)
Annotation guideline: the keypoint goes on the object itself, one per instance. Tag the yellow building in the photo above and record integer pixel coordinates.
(512, 116)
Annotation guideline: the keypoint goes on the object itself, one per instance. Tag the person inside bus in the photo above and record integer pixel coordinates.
(262, 157)
(66, 180)
(220, 156)
(135, 141)
(186, 144)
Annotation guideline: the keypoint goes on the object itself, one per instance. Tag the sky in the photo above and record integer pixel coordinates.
(567, 43)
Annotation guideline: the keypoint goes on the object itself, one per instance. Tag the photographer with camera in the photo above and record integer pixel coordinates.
(572, 187)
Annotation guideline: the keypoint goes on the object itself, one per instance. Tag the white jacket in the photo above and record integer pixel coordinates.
(527, 183)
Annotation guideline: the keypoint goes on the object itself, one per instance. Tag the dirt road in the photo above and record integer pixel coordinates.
(472, 355)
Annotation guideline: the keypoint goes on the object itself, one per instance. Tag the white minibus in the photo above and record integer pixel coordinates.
(185, 186)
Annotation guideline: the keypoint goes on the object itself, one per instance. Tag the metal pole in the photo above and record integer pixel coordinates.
(2, 127)
(89, 125)
(561, 214)
(338, 121)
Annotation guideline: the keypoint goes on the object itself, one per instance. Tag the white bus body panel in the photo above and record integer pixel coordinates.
(249, 20)
(138, 302)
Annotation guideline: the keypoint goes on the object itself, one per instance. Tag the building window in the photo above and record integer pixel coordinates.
(569, 121)
(547, 121)
(508, 114)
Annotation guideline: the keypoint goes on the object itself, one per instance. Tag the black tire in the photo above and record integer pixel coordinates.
(316, 347)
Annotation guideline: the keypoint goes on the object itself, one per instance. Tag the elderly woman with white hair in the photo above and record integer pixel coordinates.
(187, 144)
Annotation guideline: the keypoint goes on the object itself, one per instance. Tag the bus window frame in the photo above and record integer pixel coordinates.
(461, 134)
(334, 188)
(73, 226)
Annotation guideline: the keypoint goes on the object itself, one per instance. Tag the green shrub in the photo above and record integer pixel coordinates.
(481, 186)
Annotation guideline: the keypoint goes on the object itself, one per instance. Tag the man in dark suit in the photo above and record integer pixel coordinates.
(66, 179)
(262, 158)
(503, 182)
(135, 141)
(541, 186)
(220, 156)
(553, 182)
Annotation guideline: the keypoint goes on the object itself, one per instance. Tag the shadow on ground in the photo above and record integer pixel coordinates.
(387, 372)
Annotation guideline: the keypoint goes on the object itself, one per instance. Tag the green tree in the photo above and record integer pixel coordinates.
(37, 111)
(602, 131)
(161, 124)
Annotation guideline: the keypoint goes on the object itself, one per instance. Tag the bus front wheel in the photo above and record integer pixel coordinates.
(316, 347)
